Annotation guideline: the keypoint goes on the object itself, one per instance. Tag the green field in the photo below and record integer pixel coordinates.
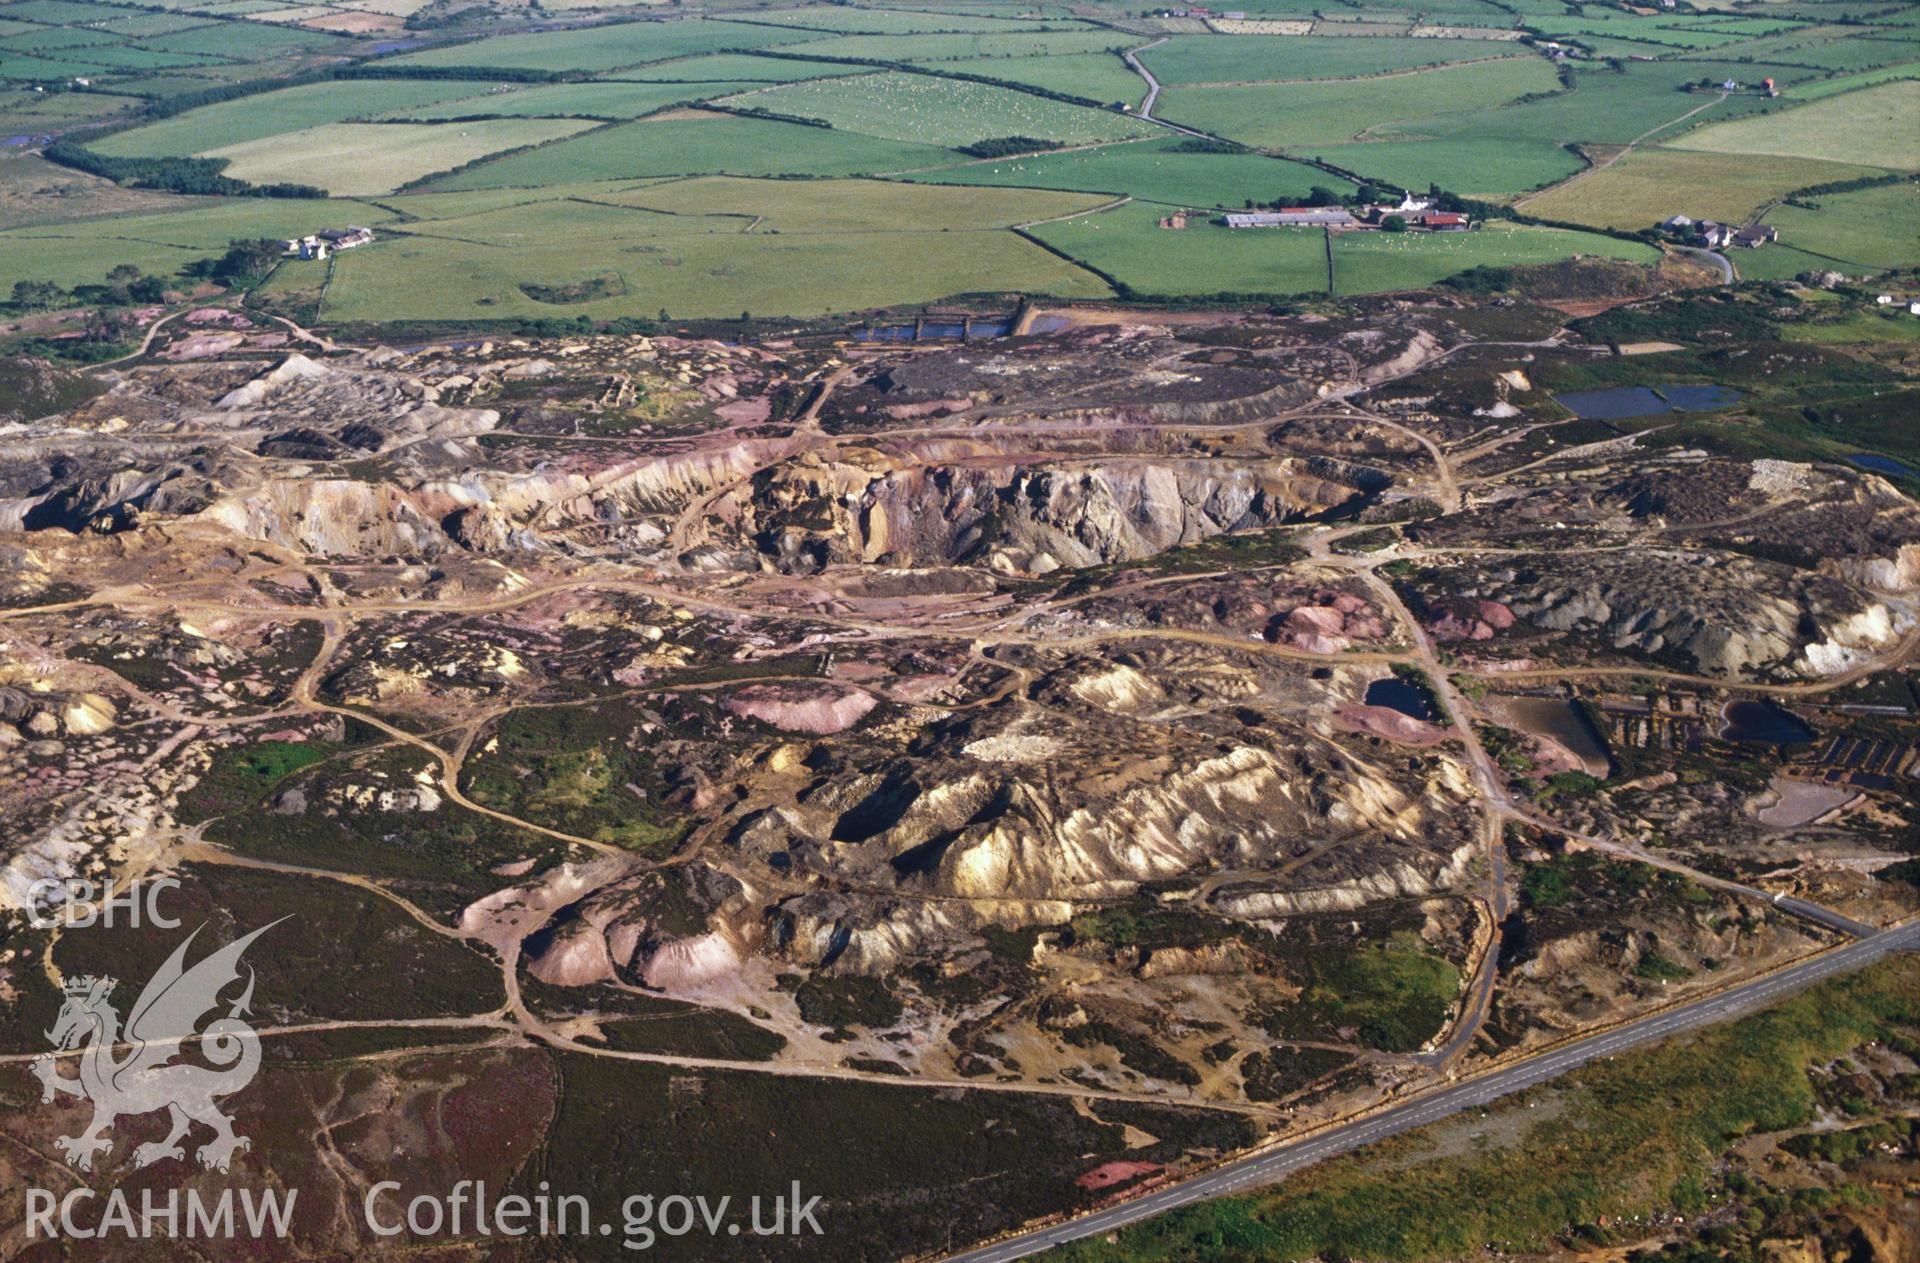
(1370, 262)
(486, 163)
(830, 253)
(569, 100)
(853, 21)
(245, 41)
(707, 145)
(1095, 76)
(1604, 107)
(44, 38)
(602, 48)
(1486, 167)
(1814, 90)
(161, 244)
(1878, 127)
(895, 106)
(274, 113)
(964, 47)
(740, 66)
(1652, 183)
(365, 158)
(1149, 170)
(1257, 58)
(1877, 228)
(1843, 55)
(1204, 259)
(1299, 116)
(823, 206)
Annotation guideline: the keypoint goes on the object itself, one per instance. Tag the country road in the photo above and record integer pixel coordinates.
(1712, 258)
(1274, 1165)
(1153, 84)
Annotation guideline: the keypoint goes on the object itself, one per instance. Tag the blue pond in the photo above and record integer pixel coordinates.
(1618, 403)
(1397, 694)
(1763, 723)
(1883, 464)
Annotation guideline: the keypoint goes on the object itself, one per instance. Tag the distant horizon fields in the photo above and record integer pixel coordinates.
(1633, 129)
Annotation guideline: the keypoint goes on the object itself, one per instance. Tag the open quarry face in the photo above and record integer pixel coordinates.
(1207, 711)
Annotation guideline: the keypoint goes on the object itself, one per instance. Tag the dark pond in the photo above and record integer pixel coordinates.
(1613, 404)
(1701, 398)
(1397, 694)
(1618, 403)
(1883, 464)
(1763, 723)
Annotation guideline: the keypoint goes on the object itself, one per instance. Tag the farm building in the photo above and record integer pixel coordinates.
(317, 245)
(1676, 222)
(1712, 235)
(1754, 238)
(1440, 221)
(1293, 216)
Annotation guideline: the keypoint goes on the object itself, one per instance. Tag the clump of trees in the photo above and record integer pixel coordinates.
(245, 263)
(198, 176)
(1004, 146)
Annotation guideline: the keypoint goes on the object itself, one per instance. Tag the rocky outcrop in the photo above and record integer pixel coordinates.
(1402, 879)
(1731, 615)
(1020, 518)
(802, 707)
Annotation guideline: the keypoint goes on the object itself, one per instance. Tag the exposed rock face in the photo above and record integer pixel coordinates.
(688, 964)
(1384, 721)
(481, 528)
(802, 708)
(574, 957)
(1733, 616)
(1405, 879)
(1021, 518)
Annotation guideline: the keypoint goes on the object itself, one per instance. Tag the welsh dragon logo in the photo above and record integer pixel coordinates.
(163, 1022)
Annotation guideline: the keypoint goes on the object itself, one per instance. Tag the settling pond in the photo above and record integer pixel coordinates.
(1621, 403)
(1396, 694)
(1879, 464)
(1763, 723)
(1564, 722)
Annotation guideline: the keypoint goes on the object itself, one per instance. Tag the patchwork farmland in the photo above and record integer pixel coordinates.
(1552, 133)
